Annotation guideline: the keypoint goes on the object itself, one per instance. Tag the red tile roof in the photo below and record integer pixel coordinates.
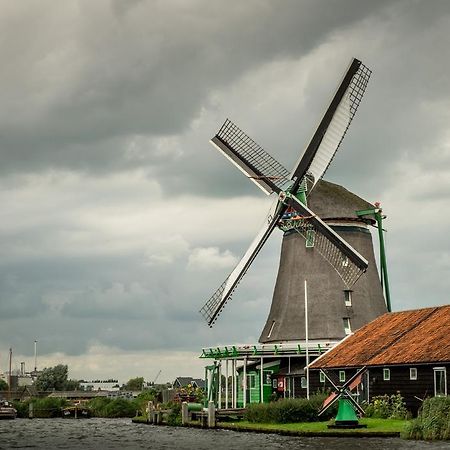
(406, 337)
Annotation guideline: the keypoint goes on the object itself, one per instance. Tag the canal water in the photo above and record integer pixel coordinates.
(102, 434)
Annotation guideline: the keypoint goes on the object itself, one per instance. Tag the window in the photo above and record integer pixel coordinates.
(345, 261)
(348, 298)
(386, 374)
(310, 235)
(347, 326)
(322, 377)
(342, 376)
(271, 328)
(412, 373)
(440, 382)
(303, 383)
(251, 381)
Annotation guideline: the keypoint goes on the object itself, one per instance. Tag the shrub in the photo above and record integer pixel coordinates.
(111, 408)
(433, 421)
(119, 407)
(42, 407)
(174, 418)
(288, 410)
(387, 407)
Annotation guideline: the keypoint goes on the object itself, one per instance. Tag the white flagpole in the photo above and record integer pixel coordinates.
(307, 341)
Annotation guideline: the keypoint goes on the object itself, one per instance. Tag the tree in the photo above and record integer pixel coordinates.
(72, 385)
(134, 384)
(3, 385)
(52, 378)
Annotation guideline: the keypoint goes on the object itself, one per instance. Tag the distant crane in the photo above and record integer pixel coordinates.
(157, 376)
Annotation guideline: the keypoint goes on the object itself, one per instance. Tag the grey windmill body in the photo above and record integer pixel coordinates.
(326, 290)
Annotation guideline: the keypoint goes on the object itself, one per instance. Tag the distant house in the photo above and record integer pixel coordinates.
(181, 382)
(406, 352)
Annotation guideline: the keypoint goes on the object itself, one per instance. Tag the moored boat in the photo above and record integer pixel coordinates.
(7, 410)
(76, 412)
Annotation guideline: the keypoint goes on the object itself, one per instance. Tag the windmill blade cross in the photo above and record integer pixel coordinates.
(334, 125)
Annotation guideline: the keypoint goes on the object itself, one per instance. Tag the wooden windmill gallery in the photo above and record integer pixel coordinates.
(327, 284)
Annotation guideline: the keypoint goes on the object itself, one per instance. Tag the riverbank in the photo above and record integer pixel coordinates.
(375, 428)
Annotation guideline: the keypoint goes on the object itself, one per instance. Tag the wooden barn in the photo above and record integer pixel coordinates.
(406, 352)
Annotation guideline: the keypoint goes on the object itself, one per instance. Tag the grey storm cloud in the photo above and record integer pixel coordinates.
(119, 219)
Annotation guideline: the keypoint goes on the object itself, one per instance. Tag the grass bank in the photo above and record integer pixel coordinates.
(375, 427)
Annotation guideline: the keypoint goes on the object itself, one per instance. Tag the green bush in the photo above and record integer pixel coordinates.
(387, 407)
(174, 418)
(111, 408)
(120, 407)
(288, 410)
(22, 408)
(42, 407)
(433, 421)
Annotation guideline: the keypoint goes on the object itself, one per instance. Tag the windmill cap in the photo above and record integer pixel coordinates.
(332, 201)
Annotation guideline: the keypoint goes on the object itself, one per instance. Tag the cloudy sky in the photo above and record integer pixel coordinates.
(119, 219)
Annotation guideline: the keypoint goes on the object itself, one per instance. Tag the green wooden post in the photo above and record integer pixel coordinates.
(376, 213)
(383, 263)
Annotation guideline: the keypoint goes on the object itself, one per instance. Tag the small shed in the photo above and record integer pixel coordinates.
(405, 352)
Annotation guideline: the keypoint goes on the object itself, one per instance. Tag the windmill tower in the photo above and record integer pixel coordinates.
(324, 240)
(334, 309)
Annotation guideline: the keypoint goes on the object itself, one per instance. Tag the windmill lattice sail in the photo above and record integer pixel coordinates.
(264, 170)
(334, 125)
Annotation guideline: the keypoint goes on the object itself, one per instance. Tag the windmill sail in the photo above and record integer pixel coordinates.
(215, 304)
(334, 125)
(250, 158)
(347, 262)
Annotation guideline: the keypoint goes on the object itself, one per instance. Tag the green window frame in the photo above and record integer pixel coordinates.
(386, 374)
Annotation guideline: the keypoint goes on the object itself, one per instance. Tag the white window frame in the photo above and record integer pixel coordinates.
(322, 377)
(386, 374)
(413, 373)
(250, 377)
(342, 376)
(347, 326)
(348, 297)
(303, 382)
(271, 329)
(444, 370)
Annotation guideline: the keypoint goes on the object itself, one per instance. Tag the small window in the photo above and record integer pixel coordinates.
(342, 376)
(347, 326)
(440, 381)
(348, 298)
(271, 328)
(310, 235)
(412, 373)
(274, 383)
(251, 381)
(322, 377)
(345, 261)
(386, 374)
(303, 382)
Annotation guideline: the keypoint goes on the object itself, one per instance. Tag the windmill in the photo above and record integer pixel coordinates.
(291, 211)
